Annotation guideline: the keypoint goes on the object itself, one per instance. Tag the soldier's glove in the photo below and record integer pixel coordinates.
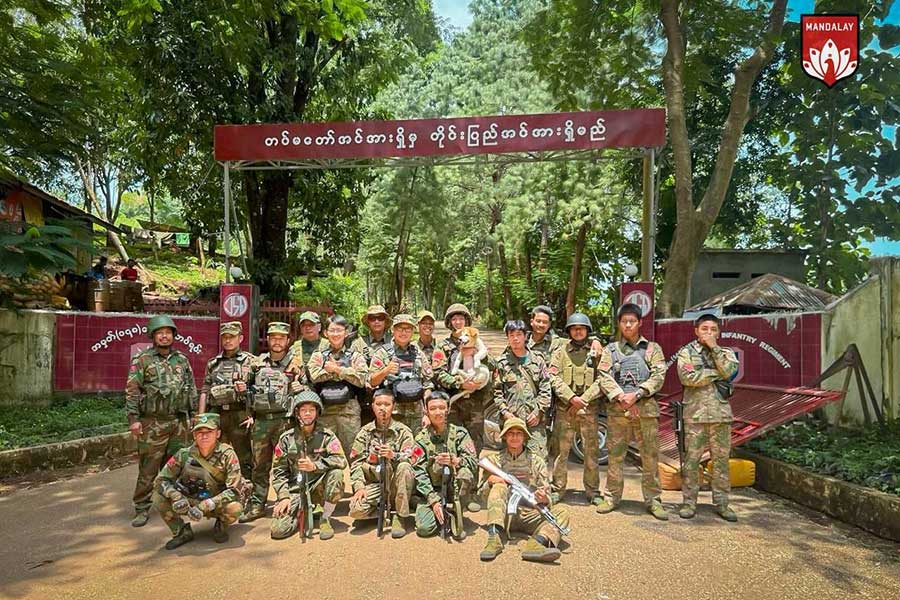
(181, 506)
(207, 505)
(194, 513)
(173, 495)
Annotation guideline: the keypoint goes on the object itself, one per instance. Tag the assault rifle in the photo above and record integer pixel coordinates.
(678, 426)
(384, 502)
(519, 492)
(302, 506)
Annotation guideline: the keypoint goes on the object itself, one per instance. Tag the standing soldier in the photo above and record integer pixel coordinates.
(426, 341)
(310, 453)
(338, 375)
(310, 341)
(705, 370)
(632, 371)
(522, 386)
(442, 445)
(391, 441)
(224, 392)
(203, 480)
(270, 390)
(530, 469)
(542, 338)
(406, 370)
(573, 374)
(159, 397)
(375, 320)
(468, 412)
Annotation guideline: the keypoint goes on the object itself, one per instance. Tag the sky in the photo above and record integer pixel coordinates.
(457, 12)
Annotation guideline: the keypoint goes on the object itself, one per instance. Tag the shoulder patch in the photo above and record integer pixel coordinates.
(278, 451)
(334, 446)
(417, 453)
(171, 462)
(469, 446)
(688, 366)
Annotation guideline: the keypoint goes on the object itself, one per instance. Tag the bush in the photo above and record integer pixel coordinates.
(869, 456)
(346, 294)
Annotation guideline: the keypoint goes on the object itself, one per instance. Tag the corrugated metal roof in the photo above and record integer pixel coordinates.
(770, 292)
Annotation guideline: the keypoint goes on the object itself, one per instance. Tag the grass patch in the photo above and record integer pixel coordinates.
(22, 426)
(868, 456)
(177, 273)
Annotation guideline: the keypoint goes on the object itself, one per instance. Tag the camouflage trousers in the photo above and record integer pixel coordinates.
(410, 414)
(226, 513)
(399, 491)
(565, 428)
(620, 431)
(426, 523)
(159, 440)
(328, 488)
(267, 428)
(526, 520)
(469, 413)
(697, 436)
(344, 421)
(238, 436)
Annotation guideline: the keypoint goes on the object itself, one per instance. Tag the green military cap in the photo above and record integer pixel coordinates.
(206, 421)
(426, 314)
(278, 327)
(374, 310)
(231, 328)
(515, 423)
(403, 319)
(310, 316)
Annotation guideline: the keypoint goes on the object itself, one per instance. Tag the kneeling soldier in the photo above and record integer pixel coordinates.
(387, 439)
(310, 453)
(442, 444)
(530, 469)
(202, 480)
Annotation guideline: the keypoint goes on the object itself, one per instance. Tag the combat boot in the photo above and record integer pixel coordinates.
(494, 545)
(658, 511)
(140, 518)
(555, 497)
(220, 532)
(535, 551)
(184, 536)
(726, 513)
(687, 511)
(326, 531)
(397, 529)
(473, 506)
(605, 505)
(596, 500)
(253, 512)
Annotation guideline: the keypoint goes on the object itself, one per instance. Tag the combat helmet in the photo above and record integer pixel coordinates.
(454, 309)
(305, 397)
(578, 318)
(158, 322)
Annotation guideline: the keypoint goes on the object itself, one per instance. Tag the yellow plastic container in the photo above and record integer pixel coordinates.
(743, 472)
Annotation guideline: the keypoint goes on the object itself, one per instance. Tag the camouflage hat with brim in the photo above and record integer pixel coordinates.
(231, 328)
(426, 314)
(515, 423)
(375, 310)
(278, 327)
(310, 316)
(206, 421)
(403, 319)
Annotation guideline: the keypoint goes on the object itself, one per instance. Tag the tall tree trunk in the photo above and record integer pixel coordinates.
(542, 252)
(92, 196)
(504, 278)
(575, 276)
(529, 280)
(694, 222)
(267, 203)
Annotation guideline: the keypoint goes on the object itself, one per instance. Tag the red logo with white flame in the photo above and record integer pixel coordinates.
(830, 46)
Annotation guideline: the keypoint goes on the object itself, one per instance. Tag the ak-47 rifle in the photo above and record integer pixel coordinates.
(451, 505)
(302, 504)
(384, 501)
(678, 426)
(518, 492)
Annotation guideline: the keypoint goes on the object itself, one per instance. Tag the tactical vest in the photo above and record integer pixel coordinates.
(406, 384)
(337, 392)
(271, 390)
(163, 387)
(520, 468)
(225, 372)
(578, 377)
(631, 370)
(199, 483)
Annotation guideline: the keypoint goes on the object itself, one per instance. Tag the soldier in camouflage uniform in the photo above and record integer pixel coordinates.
(224, 392)
(442, 444)
(404, 368)
(302, 350)
(310, 449)
(542, 338)
(202, 480)
(522, 386)
(159, 396)
(632, 371)
(705, 370)
(468, 412)
(271, 379)
(531, 470)
(383, 438)
(375, 320)
(426, 341)
(339, 375)
(573, 374)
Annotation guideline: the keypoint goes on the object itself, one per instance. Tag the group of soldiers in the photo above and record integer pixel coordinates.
(292, 417)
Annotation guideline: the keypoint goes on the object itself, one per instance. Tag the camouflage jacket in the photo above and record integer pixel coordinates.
(223, 484)
(656, 362)
(221, 373)
(441, 361)
(300, 357)
(698, 369)
(355, 374)
(364, 456)
(428, 348)
(322, 446)
(420, 369)
(573, 372)
(158, 385)
(546, 346)
(528, 467)
(429, 444)
(367, 346)
(521, 388)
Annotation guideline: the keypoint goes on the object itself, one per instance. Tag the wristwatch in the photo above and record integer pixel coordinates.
(639, 395)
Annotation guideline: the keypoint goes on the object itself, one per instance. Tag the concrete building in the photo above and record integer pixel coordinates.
(719, 270)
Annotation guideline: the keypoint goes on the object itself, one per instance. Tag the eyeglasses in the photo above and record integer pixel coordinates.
(336, 330)
(629, 322)
(378, 318)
